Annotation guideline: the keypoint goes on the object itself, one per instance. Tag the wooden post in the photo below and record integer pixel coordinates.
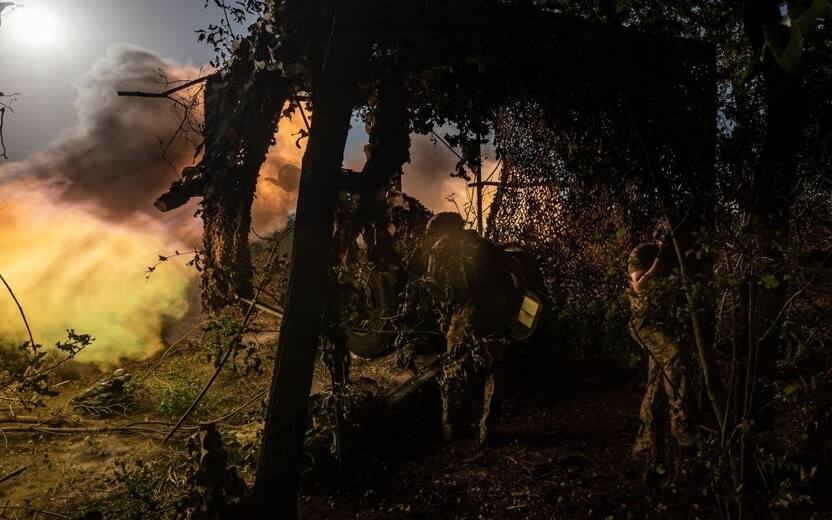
(276, 486)
(479, 190)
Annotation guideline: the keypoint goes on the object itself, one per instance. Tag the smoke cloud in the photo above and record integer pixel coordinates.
(72, 269)
(79, 229)
(112, 161)
(277, 187)
(77, 223)
(427, 178)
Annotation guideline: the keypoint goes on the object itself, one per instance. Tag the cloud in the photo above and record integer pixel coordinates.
(77, 222)
(112, 161)
(277, 187)
(71, 269)
(427, 177)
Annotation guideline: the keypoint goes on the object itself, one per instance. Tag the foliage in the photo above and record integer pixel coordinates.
(598, 199)
(144, 489)
(592, 172)
(195, 261)
(222, 332)
(176, 398)
(26, 369)
(222, 36)
(180, 394)
(140, 483)
(213, 489)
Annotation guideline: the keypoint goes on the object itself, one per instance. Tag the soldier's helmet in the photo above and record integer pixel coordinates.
(442, 224)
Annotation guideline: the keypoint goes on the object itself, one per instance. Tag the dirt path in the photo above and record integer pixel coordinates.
(563, 456)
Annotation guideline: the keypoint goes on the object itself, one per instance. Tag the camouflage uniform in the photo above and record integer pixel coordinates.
(476, 302)
(667, 377)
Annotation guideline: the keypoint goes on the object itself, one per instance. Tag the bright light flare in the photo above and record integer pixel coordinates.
(33, 26)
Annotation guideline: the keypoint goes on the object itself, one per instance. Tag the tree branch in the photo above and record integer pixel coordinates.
(13, 474)
(20, 308)
(166, 93)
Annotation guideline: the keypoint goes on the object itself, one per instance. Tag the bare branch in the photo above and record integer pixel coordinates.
(244, 322)
(2, 141)
(20, 308)
(5, 105)
(13, 474)
(166, 93)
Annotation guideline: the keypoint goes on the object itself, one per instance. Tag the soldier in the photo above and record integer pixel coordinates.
(652, 301)
(475, 297)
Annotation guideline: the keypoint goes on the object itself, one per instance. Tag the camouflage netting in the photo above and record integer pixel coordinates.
(568, 219)
(576, 223)
(580, 184)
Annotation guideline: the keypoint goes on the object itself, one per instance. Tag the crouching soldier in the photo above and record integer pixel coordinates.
(476, 299)
(653, 326)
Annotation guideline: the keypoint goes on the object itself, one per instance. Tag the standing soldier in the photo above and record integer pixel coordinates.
(475, 297)
(654, 327)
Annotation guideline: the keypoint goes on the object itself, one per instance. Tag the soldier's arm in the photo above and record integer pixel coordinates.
(639, 278)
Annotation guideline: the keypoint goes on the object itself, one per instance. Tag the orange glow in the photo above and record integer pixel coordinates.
(70, 269)
(276, 198)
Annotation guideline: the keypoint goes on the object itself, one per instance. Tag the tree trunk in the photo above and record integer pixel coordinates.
(276, 486)
(387, 151)
(774, 181)
(232, 180)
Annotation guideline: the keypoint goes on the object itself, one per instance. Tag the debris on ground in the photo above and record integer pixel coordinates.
(113, 394)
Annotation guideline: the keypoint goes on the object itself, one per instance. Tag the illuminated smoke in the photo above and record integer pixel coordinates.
(72, 269)
(113, 158)
(77, 224)
(77, 221)
(277, 187)
(427, 178)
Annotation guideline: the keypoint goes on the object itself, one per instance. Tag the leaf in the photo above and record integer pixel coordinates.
(788, 52)
(303, 134)
(770, 281)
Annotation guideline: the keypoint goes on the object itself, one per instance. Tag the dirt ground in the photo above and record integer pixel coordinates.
(562, 455)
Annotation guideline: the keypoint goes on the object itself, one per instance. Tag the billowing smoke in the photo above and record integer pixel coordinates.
(77, 221)
(112, 161)
(72, 269)
(277, 187)
(427, 178)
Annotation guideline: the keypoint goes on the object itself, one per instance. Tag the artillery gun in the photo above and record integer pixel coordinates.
(370, 335)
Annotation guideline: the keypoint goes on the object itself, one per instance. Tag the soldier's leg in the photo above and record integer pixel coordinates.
(491, 401)
(645, 444)
(452, 376)
(450, 404)
(674, 378)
